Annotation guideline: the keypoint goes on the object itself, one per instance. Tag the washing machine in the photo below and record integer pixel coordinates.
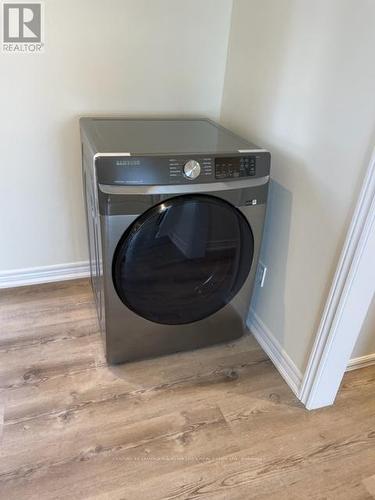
(175, 213)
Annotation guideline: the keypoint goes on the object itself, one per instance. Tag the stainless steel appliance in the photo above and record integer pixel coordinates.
(175, 213)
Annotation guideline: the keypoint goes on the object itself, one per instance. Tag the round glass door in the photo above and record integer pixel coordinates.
(184, 259)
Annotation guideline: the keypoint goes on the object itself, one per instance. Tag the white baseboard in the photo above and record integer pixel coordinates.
(44, 274)
(277, 354)
(361, 362)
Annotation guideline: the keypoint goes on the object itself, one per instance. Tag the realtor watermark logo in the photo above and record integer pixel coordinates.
(23, 27)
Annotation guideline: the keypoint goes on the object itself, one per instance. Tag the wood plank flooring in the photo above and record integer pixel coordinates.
(218, 423)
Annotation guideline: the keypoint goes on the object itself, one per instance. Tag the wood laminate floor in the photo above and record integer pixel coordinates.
(218, 423)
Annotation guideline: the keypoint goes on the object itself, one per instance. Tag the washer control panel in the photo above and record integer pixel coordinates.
(181, 169)
(185, 168)
(232, 168)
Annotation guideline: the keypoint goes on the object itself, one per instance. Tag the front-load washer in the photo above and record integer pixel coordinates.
(175, 213)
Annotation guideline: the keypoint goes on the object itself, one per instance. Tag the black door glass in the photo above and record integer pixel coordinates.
(183, 259)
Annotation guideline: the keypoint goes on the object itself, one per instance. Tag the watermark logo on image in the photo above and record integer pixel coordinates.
(22, 30)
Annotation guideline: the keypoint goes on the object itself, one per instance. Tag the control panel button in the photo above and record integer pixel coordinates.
(192, 169)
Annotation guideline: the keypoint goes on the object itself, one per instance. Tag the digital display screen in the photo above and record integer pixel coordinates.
(231, 168)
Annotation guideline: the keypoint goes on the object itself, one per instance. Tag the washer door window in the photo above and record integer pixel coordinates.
(183, 260)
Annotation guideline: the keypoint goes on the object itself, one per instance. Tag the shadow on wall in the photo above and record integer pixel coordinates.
(71, 185)
(274, 254)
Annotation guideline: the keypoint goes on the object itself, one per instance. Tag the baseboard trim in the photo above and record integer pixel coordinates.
(361, 362)
(44, 274)
(271, 346)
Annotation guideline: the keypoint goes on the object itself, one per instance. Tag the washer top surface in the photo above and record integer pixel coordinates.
(161, 136)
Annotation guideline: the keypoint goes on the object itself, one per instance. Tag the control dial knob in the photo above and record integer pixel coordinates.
(192, 169)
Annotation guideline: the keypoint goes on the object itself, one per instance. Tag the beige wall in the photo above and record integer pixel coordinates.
(300, 80)
(366, 341)
(123, 56)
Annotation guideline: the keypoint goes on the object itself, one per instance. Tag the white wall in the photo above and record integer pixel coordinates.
(300, 80)
(124, 56)
(365, 344)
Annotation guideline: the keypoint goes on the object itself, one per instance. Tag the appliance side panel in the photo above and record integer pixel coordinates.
(93, 230)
